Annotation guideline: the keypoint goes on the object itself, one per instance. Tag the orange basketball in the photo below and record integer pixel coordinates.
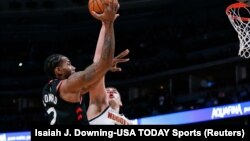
(96, 5)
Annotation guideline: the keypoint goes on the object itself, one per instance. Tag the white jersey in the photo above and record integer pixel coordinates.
(109, 117)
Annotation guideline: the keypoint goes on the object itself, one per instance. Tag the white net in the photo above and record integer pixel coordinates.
(242, 26)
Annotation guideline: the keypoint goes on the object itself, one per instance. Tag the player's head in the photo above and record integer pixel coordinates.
(58, 66)
(114, 97)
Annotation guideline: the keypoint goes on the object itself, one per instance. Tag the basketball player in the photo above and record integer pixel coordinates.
(62, 95)
(104, 103)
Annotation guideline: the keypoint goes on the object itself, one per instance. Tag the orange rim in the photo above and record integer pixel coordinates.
(237, 5)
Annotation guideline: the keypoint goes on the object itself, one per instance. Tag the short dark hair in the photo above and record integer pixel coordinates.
(50, 63)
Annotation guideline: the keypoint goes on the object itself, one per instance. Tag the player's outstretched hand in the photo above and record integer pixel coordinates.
(119, 59)
(110, 11)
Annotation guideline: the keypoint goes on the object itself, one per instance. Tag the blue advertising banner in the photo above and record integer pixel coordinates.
(199, 115)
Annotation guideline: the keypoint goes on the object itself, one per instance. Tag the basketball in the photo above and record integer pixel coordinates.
(96, 5)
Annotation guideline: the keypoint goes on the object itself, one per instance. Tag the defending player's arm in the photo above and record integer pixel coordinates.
(83, 80)
(98, 91)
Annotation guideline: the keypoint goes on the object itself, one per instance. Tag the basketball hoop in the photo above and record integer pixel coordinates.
(242, 25)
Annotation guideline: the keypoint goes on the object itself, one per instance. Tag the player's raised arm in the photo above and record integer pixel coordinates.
(83, 80)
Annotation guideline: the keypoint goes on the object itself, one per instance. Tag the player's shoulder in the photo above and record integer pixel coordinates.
(52, 84)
